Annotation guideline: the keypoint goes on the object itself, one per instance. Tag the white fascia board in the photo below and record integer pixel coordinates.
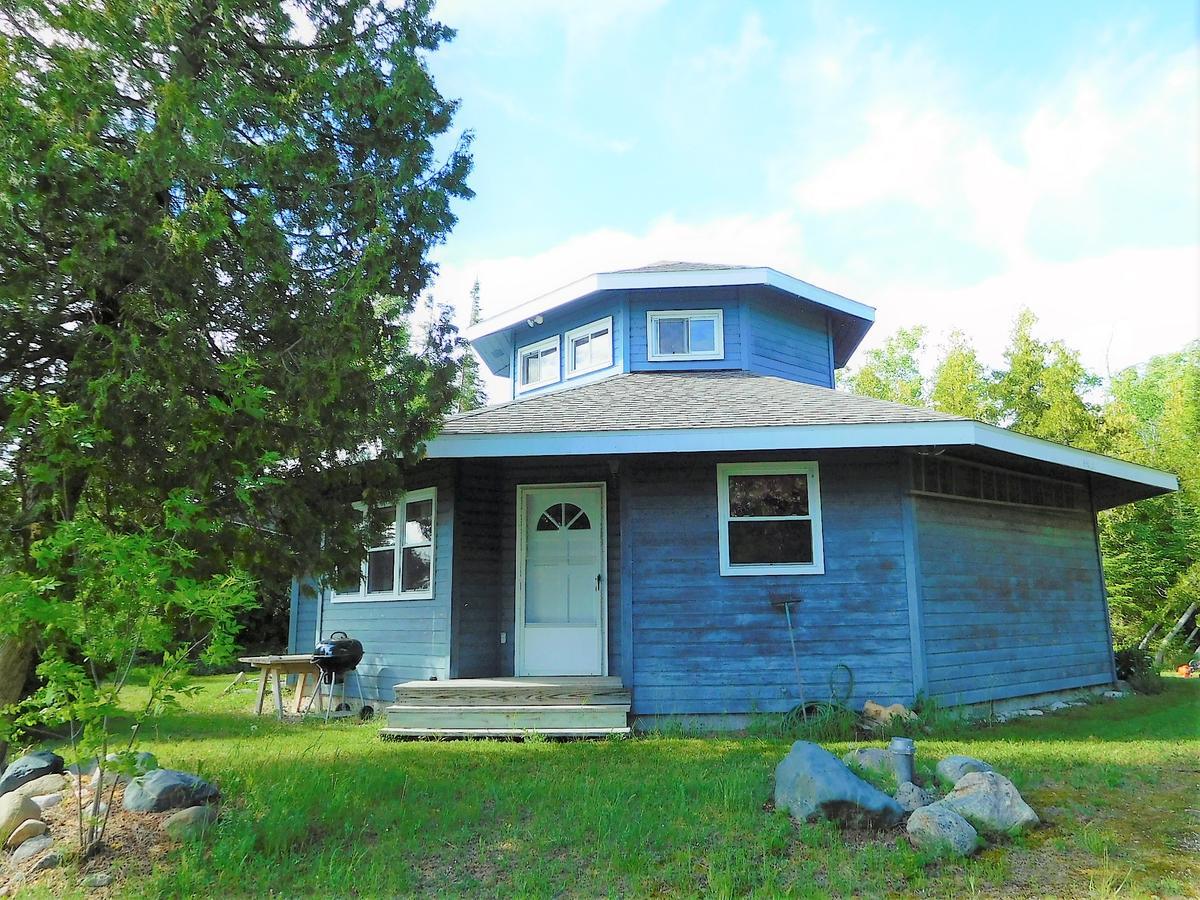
(792, 437)
(625, 281)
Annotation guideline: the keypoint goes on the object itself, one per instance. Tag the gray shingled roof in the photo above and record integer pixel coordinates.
(646, 400)
(668, 265)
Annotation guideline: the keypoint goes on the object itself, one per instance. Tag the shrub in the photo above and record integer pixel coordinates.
(1147, 683)
(1133, 661)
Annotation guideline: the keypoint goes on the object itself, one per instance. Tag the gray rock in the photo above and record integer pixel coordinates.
(1032, 712)
(991, 803)
(936, 827)
(812, 783)
(952, 768)
(84, 768)
(911, 797)
(29, 767)
(872, 759)
(105, 779)
(190, 823)
(47, 801)
(51, 860)
(96, 880)
(1058, 705)
(1114, 695)
(143, 761)
(47, 784)
(30, 828)
(165, 789)
(15, 809)
(31, 848)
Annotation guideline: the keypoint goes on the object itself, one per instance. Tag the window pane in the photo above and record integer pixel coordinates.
(600, 349)
(348, 581)
(770, 542)
(382, 526)
(530, 368)
(581, 348)
(768, 495)
(417, 566)
(381, 571)
(418, 522)
(672, 336)
(704, 336)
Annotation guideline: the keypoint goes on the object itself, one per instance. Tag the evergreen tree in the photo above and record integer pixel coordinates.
(214, 227)
(472, 393)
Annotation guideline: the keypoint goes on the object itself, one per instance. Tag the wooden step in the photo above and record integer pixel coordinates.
(501, 732)
(565, 691)
(524, 717)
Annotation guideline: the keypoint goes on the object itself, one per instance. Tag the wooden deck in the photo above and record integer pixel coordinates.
(567, 706)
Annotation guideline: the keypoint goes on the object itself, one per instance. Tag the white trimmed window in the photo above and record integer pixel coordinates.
(770, 519)
(400, 564)
(537, 364)
(683, 334)
(590, 347)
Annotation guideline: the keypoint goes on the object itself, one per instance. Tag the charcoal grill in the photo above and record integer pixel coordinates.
(336, 658)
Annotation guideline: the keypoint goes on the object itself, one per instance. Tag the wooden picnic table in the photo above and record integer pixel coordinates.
(278, 668)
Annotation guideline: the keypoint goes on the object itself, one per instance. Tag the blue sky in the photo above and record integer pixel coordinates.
(945, 163)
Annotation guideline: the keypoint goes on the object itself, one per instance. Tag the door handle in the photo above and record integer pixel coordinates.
(597, 582)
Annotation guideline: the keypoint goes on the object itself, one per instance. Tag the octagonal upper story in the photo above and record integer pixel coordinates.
(673, 316)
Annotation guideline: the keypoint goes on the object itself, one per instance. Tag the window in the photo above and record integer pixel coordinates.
(770, 519)
(946, 476)
(399, 564)
(590, 348)
(537, 364)
(684, 334)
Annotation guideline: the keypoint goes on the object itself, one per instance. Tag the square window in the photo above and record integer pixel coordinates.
(381, 571)
(684, 334)
(590, 347)
(399, 564)
(537, 364)
(770, 519)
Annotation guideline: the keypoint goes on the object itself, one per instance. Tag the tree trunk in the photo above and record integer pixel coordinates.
(1190, 640)
(1145, 641)
(15, 656)
(1183, 620)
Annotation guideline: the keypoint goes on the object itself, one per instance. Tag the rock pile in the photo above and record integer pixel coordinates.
(38, 782)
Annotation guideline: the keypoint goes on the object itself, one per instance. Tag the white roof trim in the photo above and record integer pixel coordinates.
(621, 281)
(792, 437)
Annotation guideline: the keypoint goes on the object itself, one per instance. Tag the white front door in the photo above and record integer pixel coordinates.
(561, 580)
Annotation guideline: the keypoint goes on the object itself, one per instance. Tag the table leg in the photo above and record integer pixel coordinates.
(301, 681)
(262, 693)
(277, 691)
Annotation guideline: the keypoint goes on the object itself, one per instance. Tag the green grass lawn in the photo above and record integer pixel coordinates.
(334, 811)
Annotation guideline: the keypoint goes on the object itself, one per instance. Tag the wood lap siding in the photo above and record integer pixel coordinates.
(1013, 602)
(304, 635)
(476, 609)
(405, 639)
(704, 643)
(724, 299)
(789, 342)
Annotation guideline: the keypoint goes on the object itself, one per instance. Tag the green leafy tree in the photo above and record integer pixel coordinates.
(214, 227)
(1042, 388)
(472, 393)
(892, 371)
(960, 384)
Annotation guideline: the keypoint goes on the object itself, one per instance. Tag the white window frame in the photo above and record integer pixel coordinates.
(652, 317)
(809, 469)
(530, 349)
(362, 595)
(584, 331)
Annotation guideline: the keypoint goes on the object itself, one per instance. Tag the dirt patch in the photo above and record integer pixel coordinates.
(133, 845)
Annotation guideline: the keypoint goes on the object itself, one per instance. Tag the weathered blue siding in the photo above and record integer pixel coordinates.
(725, 299)
(559, 323)
(1012, 600)
(788, 340)
(475, 617)
(708, 644)
(302, 631)
(405, 639)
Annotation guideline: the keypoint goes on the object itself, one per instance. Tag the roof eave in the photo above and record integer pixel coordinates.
(1120, 481)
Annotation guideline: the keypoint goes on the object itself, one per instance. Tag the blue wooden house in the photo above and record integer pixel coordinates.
(675, 497)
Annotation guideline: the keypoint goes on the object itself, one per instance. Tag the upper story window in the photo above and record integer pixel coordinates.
(683, 334)
(537, 364)
(399, 565)
(590, 347)
(770, 519)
